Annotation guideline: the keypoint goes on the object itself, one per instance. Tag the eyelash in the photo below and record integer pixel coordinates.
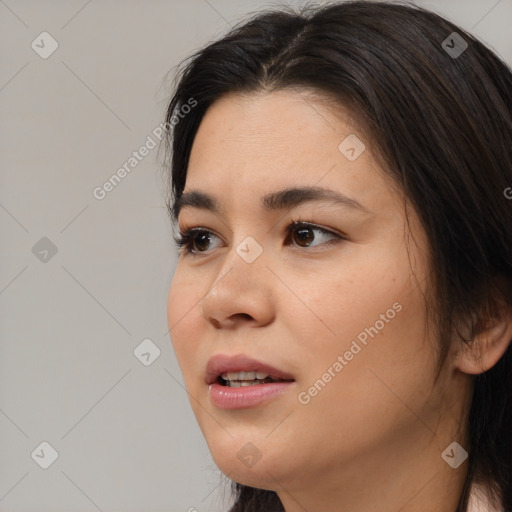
(185, 239)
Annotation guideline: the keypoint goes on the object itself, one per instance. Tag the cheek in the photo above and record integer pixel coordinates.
(343, 300)
(379, 332)
(374, 318)
(364, 401)
(183, 312)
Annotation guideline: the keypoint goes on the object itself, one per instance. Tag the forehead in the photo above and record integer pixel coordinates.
(252, 144)
(270, 125)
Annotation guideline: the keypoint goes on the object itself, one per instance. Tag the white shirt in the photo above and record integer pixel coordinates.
(479, 501)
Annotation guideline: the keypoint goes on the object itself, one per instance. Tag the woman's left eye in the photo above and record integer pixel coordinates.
(303, 234)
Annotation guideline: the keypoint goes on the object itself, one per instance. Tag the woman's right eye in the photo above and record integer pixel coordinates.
(194, 241)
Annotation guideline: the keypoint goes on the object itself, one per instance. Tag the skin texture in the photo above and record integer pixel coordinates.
(372, 438)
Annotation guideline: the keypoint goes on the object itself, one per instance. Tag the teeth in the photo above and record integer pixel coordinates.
(244, 379)
(243, 383)
(241, 375)
(249, 376)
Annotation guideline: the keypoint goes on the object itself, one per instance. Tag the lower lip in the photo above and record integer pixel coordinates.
(226, 397)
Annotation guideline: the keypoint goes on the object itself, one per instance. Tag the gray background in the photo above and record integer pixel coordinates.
(124, 432)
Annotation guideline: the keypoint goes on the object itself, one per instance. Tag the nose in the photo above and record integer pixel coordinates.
(241, 294)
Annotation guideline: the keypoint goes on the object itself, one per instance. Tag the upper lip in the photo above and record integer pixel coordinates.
(222, 363)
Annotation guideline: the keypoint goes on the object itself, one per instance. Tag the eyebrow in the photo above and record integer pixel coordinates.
(280, 200)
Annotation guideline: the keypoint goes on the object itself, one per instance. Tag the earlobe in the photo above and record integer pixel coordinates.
(487, 346)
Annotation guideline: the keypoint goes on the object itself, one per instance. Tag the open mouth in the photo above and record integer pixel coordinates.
(243, 379)
(239, 381)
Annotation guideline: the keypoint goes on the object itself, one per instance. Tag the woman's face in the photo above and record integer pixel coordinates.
(332, 306)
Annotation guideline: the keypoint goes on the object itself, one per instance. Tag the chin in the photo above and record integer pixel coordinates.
(259, 475)
(251, 462)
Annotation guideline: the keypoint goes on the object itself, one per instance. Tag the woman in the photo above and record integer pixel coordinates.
(342, 304)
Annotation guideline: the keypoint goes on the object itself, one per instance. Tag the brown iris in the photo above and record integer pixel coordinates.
(303, 235)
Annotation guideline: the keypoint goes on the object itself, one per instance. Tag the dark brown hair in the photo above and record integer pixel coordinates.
(440, 124)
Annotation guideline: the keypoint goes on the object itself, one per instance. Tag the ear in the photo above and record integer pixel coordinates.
(490, 342)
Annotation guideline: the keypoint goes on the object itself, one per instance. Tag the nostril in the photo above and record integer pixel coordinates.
(237, 316)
